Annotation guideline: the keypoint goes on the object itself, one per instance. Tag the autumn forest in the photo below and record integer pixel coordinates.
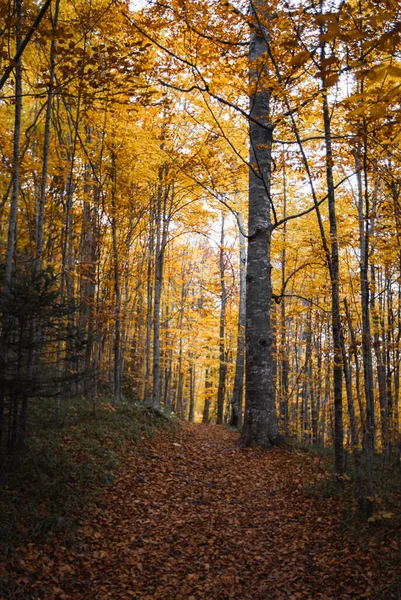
(200, 219)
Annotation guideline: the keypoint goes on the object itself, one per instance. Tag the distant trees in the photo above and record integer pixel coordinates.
(118, 152)
(322, 82)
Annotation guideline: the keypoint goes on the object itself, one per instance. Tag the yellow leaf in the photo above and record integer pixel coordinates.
(300, 59)
(394, 72)
(320, 19)
(378, 110)
(326, 62)
(357, 111)
(328, 37)
(331, 80)
(355, 34)
(377, 74)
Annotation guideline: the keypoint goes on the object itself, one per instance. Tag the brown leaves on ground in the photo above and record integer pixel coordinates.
(193, 517)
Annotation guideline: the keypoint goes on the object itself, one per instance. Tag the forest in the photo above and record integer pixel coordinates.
(200, 221)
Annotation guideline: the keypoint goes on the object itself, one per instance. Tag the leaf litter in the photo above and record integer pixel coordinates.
(193, 517)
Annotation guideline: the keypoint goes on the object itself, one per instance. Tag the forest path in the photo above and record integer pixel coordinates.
(192, 517)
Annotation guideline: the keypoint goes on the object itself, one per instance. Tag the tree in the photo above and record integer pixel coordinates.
(260, 421)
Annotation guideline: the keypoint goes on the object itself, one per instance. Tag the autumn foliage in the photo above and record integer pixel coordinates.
(144, 149)
(190, 516)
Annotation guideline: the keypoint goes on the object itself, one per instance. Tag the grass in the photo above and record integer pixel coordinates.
(43, 488)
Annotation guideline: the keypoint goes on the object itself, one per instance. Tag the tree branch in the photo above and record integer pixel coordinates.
(24, 43)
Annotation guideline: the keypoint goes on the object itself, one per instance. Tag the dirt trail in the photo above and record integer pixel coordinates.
(192, 517)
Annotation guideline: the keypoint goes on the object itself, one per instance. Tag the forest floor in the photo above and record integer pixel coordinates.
(192, 517)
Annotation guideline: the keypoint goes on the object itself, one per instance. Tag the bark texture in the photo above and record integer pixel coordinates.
(260, 422)
(236, 413)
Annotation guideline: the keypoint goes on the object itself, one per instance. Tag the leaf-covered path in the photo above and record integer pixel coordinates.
(192, 517)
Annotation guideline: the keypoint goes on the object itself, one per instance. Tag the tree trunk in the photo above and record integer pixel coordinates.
(206, 406)
(335, 290)
(364, 238)
(117, 379)
(12, 222)
(192, 382)
(285, 367)
(260, 422)
(236, 414)
(380, 365)
(149, 296)
(162, 227)
(46, 145)
(221, 389)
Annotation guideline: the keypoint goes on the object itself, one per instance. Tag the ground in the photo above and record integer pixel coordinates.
(191, 516)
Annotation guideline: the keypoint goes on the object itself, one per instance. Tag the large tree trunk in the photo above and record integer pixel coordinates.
(260, 423)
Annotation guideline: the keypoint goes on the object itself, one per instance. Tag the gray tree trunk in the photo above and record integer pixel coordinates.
(260, 422)
(206, 406)
(46, 145)
(162, 227)
(285, 367)
(117, 371)
(236, 413)
(334, 269)
(221, 389)
(364, 242)
(149, 295)
(192, 383)
(380, 365)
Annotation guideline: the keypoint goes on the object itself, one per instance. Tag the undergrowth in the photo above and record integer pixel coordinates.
(383, 529)
(44, 488)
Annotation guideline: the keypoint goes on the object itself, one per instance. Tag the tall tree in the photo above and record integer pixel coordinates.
(260, 421)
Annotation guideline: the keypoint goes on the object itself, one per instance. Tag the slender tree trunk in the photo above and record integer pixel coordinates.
(221, 389)
(380, 364)
(192, 384)
(388, 336)
(306, 384)
(158, 284)
(149, 311)
(180, 385)
(12, 222)
(46, 144)
(236, 415)
(285, 367)
(354, 348)
(364, 237)
(364, 509)
(206, 406)
(335, 289)
(117, 378)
